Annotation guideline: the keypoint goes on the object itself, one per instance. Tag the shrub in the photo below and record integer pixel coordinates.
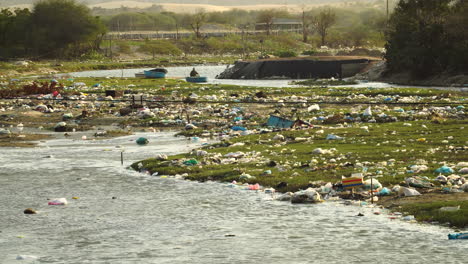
(124, 47)
(159, 47)
(309, 52)
(285, 53)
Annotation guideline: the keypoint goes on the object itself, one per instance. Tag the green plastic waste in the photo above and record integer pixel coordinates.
(142, 141)
(191, 162)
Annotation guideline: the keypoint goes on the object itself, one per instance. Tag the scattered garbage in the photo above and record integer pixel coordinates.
(67, 116)
(190, 162)
(30, 211)
(142, 141)
(375, 184)
(306, 196)
(60, 127)
(352, 182)
(286, 197)
(4, 131)
(408, 218)
(190, 126)
(245, 176)
(444, 170)
(418, 182)
(58, 201)
(333, 137)
(253, 187)
(26, 257)
(314, 107)
(238, 128)
(367, 112)
(403, 191)
(384, 191)
(449, 208)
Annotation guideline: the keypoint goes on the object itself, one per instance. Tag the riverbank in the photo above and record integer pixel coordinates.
(51, 68)
(342, 131)
(374, 71)
(180, 221)
(377, 72)
(299, 159)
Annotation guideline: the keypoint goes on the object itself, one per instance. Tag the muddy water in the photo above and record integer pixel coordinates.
(164, 220)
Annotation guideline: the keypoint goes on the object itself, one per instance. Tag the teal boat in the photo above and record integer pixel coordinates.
(458, 236)
(156, 73)
(196, 79)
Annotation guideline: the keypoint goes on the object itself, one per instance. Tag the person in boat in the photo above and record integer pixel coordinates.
(194, 73)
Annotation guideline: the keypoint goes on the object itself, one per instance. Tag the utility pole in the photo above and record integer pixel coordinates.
(110, 46)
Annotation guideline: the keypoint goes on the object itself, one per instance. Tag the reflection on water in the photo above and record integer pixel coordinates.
(157, 220)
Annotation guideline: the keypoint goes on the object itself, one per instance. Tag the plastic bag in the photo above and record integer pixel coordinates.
(58, 201)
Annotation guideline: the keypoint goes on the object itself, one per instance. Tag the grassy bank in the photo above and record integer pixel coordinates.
(427, 208)
(23, 140)
(387, 151)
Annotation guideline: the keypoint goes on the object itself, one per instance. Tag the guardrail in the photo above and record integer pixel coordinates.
(137, 35)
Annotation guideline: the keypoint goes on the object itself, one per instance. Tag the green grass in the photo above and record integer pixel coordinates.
(430, 212)
(293, 158)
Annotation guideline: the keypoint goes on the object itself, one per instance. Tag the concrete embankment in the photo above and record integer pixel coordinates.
(298, 68)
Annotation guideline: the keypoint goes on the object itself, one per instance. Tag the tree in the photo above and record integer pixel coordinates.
(419, 37)
(197, 21)
(457, 37)
(266, 17)
(14, 32)
(64, 28)
(308, 24)
(325, 19)
(357, 34)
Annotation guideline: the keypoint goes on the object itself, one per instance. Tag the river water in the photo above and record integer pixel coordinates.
(166, 220)
(212, 71)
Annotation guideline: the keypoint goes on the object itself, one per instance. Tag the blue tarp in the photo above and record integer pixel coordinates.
(279, 122)
(238, 128)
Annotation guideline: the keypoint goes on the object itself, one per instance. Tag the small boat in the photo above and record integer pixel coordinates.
(458, 236)
(196, 79)
(156, 73)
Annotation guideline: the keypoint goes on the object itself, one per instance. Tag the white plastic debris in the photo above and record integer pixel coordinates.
(58, 201)
(314, 107)
(403, 191)
(367, 112)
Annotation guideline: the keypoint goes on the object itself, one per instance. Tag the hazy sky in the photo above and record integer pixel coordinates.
(212, 2)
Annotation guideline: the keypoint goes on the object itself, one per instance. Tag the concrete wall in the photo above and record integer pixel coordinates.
(294, 69)
(351, 69)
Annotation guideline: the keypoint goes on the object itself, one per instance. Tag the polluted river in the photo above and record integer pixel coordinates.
(116, 215)
(211, 71)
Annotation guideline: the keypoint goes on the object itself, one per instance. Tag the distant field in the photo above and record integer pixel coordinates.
(189, 8)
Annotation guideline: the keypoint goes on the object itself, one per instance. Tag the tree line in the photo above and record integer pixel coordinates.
(423, 37)
(52, 29)
(426, 37)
